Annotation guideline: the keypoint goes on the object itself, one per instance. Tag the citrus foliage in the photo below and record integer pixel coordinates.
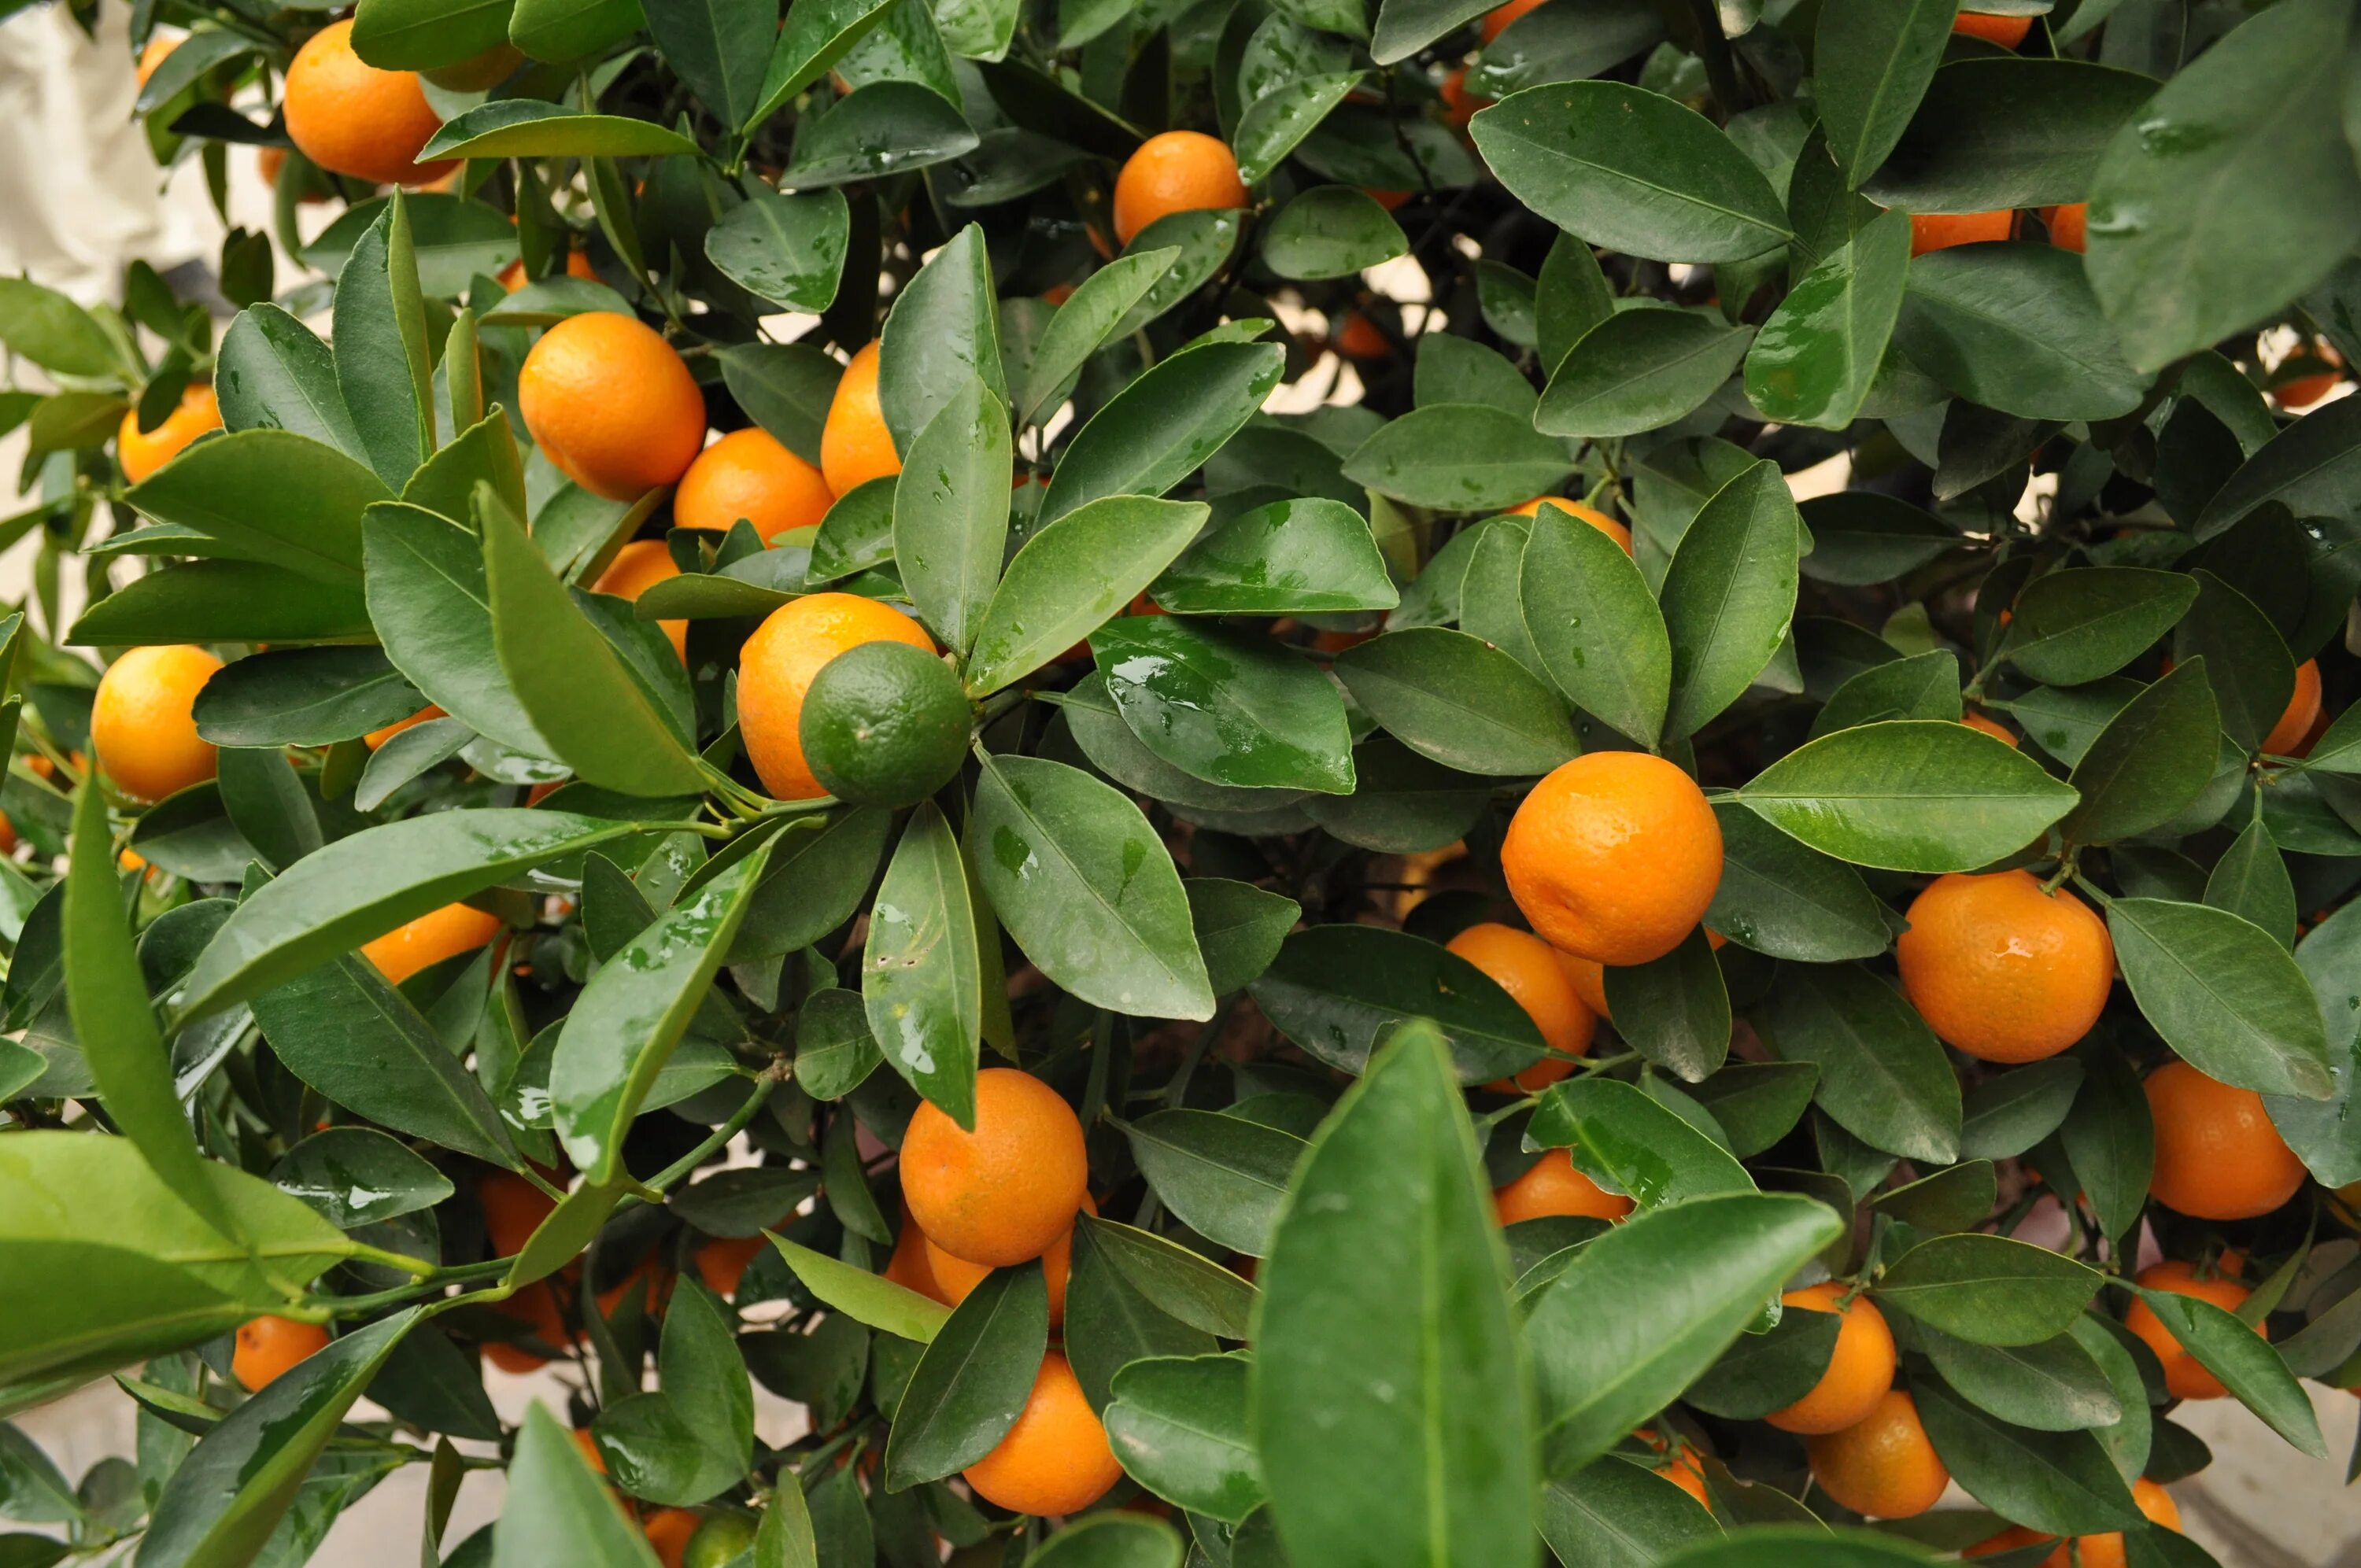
(1535, 990)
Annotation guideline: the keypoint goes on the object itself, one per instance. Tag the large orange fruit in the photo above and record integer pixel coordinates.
(1583, 509)
(2006, 31)
(1613, 857)
(2002, 970)
(777, 668)
(141, 453)
(611, 404)
(1176, 171)
(1550, 1187)
(143, 722)
(855, 445)
(351, 119)
(2183, 1377)
(2217, 1155)
(1858, 1374)
(437, 934)
(955, 1276)
(748, 474)
(1528, 969)
(1940, 231)
(1055, 1460)
(637, 566)
(1006, 1191)
(1882, 1465)
(268, 1347)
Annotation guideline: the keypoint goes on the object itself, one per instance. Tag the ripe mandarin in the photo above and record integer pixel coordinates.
(437, 934)
(2302, 392)
(776, 667)
(1175, 171)
(1989, 725)
(2183, 1377)
(1583, 509)
(1055, 1460)
(1527, 968)
(143, 724)
(2217, 1155)
(1614, 857)
(2006, 31)
(376, 738)
(142, 453)
(1495, 21)
(748, 474)
(513, 1209)
(955, 1276)
(668, 1531)
(855, 445)
(267, 1347)
(1858, 1374)
(1940, 231)
(1006, 1191)
(1882, 1465)
(721, 1262)
(636, 567)
(2106, 1550)
(611, 404)
(2068, 225)
(351, 119)
(2002, 970)
(1551, 1186)
(2303, 706)
(912, 1264)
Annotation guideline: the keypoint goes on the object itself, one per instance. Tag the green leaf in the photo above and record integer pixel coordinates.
(885, 127)
(1773, 1546)
(412, 35)
(2016, 327)
(52, 331)
(274, 373)
(2232, 191)
(1459, 701)
(1163, 426)
(1401, 803)
(1640, 371)
(1275, 122)
(312, 525)
(1310, 557)
(1675, 1009)
(974, 1381)
(486, 453)
(1988, 1290)
(2309, 467)
(575, 685)
(1815, 359)
(943, 330)
(1631, 171)
(2154, 757)
(358, 1176)
(227, 1496)
(556, 1506)
(2247, 665)
(1111, 1321)
(1340, 992)
(1331, 231)
(1085, 323)
(529, 128)
(1997, 131)
(1385, 1395)
(1771, 1370)
(1464, 457)
(1224, 1176)
(1787, 901)
(789, 250)
(921, 968)
(2251, 881)
(950, 513)
(2008, 1113)
(1730, 593)
(719, 48)
(784, 387)
(1116, 1540)
(2075, 626)
(1860, 537)
(693, 1437)
(1614, 1513)
(2051, 1385)
(865, 1297)
(1883, 1077)
(1085, 886)
(1614, 1128)
(2057, 1482)
(107, 998)
(1912, 795)
(385, 369)
(1188, 1286)
(1594, 623)
(1460, 371)
(1179, 1425)
(430, 605)
(1641, 1311)
(814, 38)
(1228, 706)
(2223, 995)
(1871, 63)
(1070, 576)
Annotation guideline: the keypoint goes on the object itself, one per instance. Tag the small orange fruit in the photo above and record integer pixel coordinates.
(1882, 1465)
(578, 265)
(440, 934)
(668, 1531)
(955, 1276)
(2068, 225)
(1588, 978)
(513, 1209)
(376, 738)
(267, 1347)
(351, 119)
(2009, 1539)
(589, 1447)
(1006, 1191)
(2006, 31)
(778, 665)
(2002, 970)
(143, 722)
(1460, 105)
(1587, 513)
(855, 445)
(7, 835)
(637, 566)
(1175, 171)
(1055, 1460)
(1682, 1466)
(1989, 725)
(2302, 392)
(1358, 337)
(2106, 1550)
(721, 1263)
(141, 453)
(1940, 231)
(1858, 1373)
(748, 474)
(912, 1264)
(537, 1307)
(1550, 1187)
(2303, 706)
(1527, 968)
(2217, 1155)
(1614, 857)
(1495, 21)
(2183, 1377)
(611, 404)
(159, 46)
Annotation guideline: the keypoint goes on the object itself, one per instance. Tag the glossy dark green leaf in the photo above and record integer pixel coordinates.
(921, 968)
(2049, 1386)
(274, 373)
(1162, 427)
(868, 1297)
(2247, 665)
(1998, 131)
(1466, 457)
(1071, 577)
(1390, 1304)
(1955, 1199)
(784, 387)
(1112, 1321)
(556, 1504)
(950, 513)
(1228, 706)
(974, 1381)
(1179, 1425)
(1185, 1284)
(1097, 307)
(1239, 927)
(358, 1176)
(692, 1436)
(789, 250)
(1757, 1103)
(1449, 369)
(2060, 1482)
(1988, 1290)
(1594, 623)
(451, 239)
(1728, 594)
(1631, 171)
(1275, 122)
(2251, 881)
(1309, 556)
(1459, 701)
(1615, 1514)
(1860, 537)
(1340, 990)
(1331, 231)
(1111, 1539)
(2223, 995)
(1643, 1148)
(1224, 1176)
(528, 127)
(2154, 757)
(2015, 327)
(1872, 63)
(385, 369)
(886, 126)
(2075, 626)
(1816, 355)
(313, 528)
(1771, 1370)
(1883, 1077)
(430, 606)
(1204, 240)
(1401, 803)
(1788, 901)
(306, 696)
(2011, 1112)
(2309, 466)
(1639, 370)
(1675, 1009)
(943, 330)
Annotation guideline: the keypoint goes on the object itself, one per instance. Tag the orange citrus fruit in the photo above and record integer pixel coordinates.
(1175, 171)
(777, 668)
(748, 474)
(721, 1262)
(351, 119)
(2002, 970)
(2006, 31)
(1587, 512)
(855, 445)
(636, 567)
(376, 738)
(1460, 105)
(611, 404)
(2068, 225)
(1613, 857)
(537, 1307)
(143, 722)
(578, 265)
(668, 1531)
(2183, 1377)
(1055, 1460)
(267, 1347)
(2302, 392)
(2217, 1155)
(1858, 1374)
(1495, 21)
(2303, 707)
(912, 1264)
(2009, 1539)
(141, 453)
(1989, 725)
(1940, 231)
(1551, 1186)
(440, 934)
(1358, 337)
(513, 1209)
(955, 1276)
(1528, 969)
(1882, 1465)
(1682, 1466)
(1006, 1191)
(2106, 1550)
(159, 46)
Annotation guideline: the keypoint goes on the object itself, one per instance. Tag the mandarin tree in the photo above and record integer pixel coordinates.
(1334, 783)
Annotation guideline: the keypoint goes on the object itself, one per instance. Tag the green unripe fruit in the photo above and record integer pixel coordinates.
(885, 724)
(722, 1539)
